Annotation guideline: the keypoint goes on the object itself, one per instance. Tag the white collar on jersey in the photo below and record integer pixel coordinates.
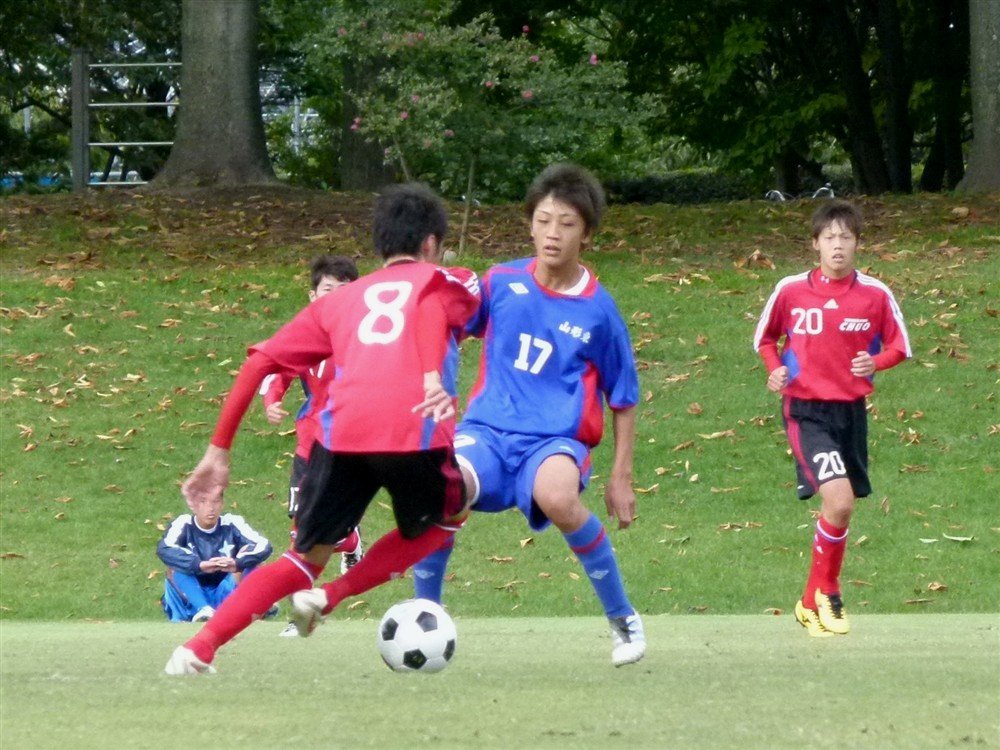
(577, 289)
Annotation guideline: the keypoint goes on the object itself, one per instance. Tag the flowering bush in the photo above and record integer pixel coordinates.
(466, 109)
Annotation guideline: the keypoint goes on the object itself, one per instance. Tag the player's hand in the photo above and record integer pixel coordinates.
(437, 402)
(209, 479)
(863, 366)
(619, 498)
(778, 379)
(275, 413)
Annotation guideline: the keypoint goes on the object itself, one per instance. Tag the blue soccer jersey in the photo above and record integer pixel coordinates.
(550, 361)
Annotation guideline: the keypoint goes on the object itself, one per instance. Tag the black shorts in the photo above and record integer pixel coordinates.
(298, 473)
(829, 440)
(425, 487)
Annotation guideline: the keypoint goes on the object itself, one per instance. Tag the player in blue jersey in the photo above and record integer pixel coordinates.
(555, 349)
(206, 553)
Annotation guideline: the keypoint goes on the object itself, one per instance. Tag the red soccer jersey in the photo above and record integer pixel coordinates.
(369, 329)
(825, 323)
(315, 385)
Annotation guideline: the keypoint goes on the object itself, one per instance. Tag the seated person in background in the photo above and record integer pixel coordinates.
(206, 554)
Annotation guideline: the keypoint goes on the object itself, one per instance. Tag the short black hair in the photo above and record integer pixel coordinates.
(570, 184)
(846, 213)
(405, 215)
(336, 266)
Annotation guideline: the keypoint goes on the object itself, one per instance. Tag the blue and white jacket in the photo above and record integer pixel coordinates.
(185, 545)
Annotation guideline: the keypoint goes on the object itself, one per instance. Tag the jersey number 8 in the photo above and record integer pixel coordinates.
(378, 310)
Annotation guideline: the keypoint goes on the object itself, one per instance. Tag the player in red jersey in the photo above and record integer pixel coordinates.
(840, 327)
(388, 421)
(326, 273)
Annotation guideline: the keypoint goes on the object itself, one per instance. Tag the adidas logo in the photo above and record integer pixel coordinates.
(597, 575)
(518, 288)
(831, 304)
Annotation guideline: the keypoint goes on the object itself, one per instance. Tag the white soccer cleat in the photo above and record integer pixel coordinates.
(349, 559)
(291, 630)
(203, 615)
(307, 610)
(183, 661)
(629, 640)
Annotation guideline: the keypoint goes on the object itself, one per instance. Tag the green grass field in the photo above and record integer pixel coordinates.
(898, 681)
(124, 317)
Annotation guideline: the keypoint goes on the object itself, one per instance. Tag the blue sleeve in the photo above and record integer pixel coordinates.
(252, 547)
(477, 323)
(615, 362)
(173, 549)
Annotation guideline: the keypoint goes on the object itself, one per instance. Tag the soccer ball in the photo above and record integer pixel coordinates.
(416, 636)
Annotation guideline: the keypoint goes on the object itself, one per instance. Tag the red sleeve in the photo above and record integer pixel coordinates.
(769, 332)
(256, 366)
(447, 307)
(888, 358)
(303, 341)
(769, 353)
(275, 387)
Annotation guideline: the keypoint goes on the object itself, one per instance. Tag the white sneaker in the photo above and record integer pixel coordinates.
(307, 610)
(291, 630)
(629, 640)
(349, 559)
(203, 615)
(183, 661)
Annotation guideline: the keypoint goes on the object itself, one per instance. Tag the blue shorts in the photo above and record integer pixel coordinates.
(504, 465)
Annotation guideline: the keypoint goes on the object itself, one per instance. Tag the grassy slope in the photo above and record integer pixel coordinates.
(907, 682)
(123, 321)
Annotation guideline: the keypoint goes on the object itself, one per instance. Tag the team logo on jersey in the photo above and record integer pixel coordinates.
(576, 332)
(831, 305)
(518, 288)
(855, 324)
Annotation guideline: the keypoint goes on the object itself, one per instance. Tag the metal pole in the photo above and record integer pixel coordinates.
(80, 96)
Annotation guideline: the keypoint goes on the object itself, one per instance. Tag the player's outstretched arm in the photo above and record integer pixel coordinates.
(619, 497)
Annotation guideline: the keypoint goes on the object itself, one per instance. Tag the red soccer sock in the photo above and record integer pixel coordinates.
(388, 558)
(828, 547)
(251, 599)
(349, 543)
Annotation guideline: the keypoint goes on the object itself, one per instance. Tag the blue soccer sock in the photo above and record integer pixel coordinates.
(592, 547)
(428, 574)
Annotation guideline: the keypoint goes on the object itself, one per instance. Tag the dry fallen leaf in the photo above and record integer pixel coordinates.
(936, 586)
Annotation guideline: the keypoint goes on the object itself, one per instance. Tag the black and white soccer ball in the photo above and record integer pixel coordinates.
(416, 635)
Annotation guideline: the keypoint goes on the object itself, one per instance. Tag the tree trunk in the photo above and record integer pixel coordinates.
(220, 133)
(863, 142)
(898, 84)
(362, 163)
(945, 164)
(983, 173)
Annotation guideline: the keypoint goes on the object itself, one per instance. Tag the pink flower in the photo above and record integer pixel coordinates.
(449, 133)
(414, 98)
(341, 31)
(593, 59)
(534, 58)
(527, 94)
(356, 124)
(525, 29)
(404, 115)
(420, 36)
(490, 84)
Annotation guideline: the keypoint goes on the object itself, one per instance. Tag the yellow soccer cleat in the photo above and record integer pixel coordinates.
(831, 613)
(809, 619)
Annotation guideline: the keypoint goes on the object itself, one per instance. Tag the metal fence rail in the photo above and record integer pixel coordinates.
(81, 109)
